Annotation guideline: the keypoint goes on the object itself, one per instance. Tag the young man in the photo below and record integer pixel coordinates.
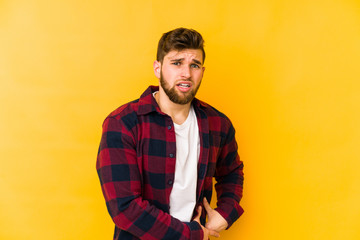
(158, 154)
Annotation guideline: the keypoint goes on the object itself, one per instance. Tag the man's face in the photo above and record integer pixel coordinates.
(180, 74)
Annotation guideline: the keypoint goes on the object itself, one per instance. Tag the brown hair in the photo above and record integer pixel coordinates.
(179, 39)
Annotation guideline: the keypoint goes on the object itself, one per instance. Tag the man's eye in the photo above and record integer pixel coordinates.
(195, 66)
(176, 63)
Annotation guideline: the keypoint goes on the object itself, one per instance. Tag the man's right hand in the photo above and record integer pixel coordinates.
(207, 232)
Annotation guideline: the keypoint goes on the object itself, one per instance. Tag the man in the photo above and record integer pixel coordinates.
(158, 154)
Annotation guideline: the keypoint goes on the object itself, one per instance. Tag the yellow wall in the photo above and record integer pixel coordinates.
(286, 72)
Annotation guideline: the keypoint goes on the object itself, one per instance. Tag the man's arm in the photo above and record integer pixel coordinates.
(229, 176)
(120, 180)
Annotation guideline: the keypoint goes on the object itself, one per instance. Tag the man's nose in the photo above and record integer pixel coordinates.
(186, 72)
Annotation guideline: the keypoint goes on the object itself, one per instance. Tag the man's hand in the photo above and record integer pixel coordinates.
(207, 232)
(215, 221)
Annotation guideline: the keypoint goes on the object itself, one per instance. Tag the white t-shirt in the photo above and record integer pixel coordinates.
(183, 193)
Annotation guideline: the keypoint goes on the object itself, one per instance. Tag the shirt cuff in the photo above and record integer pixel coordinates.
(196, 231)
(230, 215)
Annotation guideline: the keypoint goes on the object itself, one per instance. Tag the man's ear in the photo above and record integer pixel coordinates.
(157, 68)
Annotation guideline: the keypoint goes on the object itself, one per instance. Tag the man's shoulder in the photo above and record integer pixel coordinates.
(211, 111)
(125, 115)
(214, 116)
(143, 105)
(125, 109)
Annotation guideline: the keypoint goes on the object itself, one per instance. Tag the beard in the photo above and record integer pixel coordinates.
(178, 98)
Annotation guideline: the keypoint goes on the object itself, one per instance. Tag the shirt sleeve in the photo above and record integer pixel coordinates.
(121, 184)
(229, 179)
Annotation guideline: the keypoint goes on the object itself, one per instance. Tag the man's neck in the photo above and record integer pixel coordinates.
(177, 112)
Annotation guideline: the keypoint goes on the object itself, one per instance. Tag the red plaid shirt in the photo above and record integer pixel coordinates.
(136, 167)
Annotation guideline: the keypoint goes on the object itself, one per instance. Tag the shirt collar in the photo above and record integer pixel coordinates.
(148, 104)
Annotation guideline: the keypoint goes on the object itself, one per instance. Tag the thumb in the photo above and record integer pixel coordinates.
(207, 206)
(197, 217)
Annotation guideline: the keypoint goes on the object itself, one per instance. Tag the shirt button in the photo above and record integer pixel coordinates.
(170, 182)
(171, 155)
(169, 127)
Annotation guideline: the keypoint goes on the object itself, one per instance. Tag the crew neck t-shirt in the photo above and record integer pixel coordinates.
(183, 193)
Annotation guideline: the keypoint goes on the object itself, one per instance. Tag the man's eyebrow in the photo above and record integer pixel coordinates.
(176, 60)
(181, 59)
(197, 61)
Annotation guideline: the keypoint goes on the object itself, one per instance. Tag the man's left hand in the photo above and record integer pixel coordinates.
(215, 221)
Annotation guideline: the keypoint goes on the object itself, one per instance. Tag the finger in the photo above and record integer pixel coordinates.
(214, 233)
(207, 206)
(197, 217)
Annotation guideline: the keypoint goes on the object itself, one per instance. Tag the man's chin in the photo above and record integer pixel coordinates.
(182, 100)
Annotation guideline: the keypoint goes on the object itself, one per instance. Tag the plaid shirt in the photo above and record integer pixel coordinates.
(136, 167)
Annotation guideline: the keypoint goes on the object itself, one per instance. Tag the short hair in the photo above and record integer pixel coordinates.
(179, 39)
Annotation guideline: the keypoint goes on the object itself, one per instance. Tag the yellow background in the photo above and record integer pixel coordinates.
(285, 72)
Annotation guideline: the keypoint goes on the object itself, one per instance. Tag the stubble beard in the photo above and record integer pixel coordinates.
(182, 98)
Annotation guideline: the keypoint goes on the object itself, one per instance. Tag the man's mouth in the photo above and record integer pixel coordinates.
(185, 85)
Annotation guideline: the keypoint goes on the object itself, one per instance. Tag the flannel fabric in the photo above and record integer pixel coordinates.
(136, 166)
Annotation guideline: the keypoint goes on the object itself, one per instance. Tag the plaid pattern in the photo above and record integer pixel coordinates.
(136, 166)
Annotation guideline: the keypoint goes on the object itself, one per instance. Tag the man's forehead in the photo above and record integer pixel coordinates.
(192, 54)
